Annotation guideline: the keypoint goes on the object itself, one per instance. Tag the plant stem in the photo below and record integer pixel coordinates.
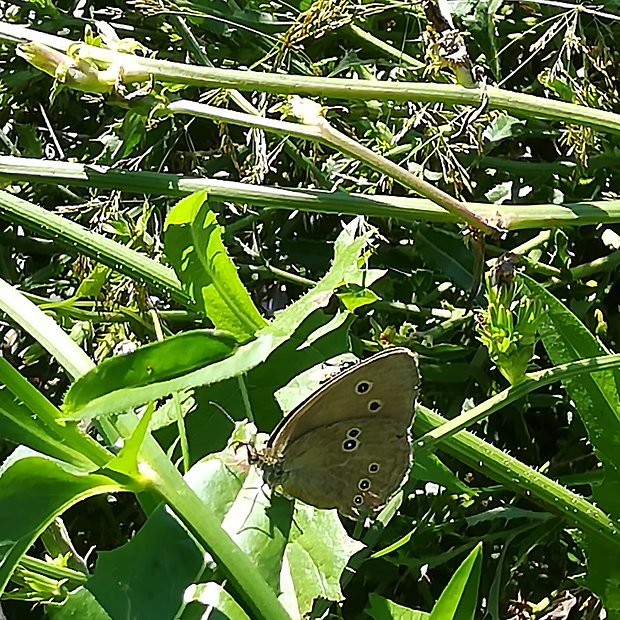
(507, 470)
(139, 69)
(386, 48)
(235, 564)
(156, 471)
(532, 382)
(519, 217)
(323, 132)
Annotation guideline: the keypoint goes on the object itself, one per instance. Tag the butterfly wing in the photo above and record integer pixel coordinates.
(354, 466)
(384, 386)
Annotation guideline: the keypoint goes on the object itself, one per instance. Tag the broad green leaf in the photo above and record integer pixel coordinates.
(595, 395)
(317, 555)
(306, 383)
(596, 400)
(126, 461)
(152, 363)
(193, 244)
(246, 357)
(27, 417)
(146, 578)
(208, 428)
(380, 608)
(302, 554)
(347, 250)
(354, 298)
(459, 600)
(234, 493)
(34, 489)
(603, 576)
(364, 278)
(502, 127)
(21, 426)
(260, 526)
(218, 478)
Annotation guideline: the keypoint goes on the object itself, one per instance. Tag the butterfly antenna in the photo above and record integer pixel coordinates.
(226, 414)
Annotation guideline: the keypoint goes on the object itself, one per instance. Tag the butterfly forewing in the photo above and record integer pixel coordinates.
(383, 386)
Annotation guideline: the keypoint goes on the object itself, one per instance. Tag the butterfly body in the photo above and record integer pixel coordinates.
(348, 445)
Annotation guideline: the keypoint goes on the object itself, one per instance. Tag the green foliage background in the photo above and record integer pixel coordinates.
(93, 165)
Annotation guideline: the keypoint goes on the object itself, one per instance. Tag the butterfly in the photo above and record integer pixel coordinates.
(348, 446)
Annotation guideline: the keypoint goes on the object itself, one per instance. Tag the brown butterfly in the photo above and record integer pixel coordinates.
(348, 445)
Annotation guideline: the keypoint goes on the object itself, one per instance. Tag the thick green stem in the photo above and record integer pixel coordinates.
(518, 217)
(322, 131)
(532, 382)
(513, 474)
(260, 600)
(138, 69)
(156, 470)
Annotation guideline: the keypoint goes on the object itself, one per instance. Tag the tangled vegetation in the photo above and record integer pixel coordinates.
(207, 206)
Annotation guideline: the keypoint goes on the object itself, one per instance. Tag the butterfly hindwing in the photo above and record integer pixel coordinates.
(353, 466)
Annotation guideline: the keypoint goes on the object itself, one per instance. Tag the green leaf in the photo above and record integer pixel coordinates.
(347, 251)
(146, 578)
(208, 429)
(502, 127)
(34, 490)
(193, 244)
(307, 382)
(91, 286)
(603, 576)
(27, 417)
(126, 461)
(131, 132)
(79, 604)
(235, 497)
(595, 395)
(345, 268)
(596, 400)
(163, 550)
(380, 608)
(314, 542)
(459, 600)
(21, 426)
(152, 363)
(246, 357)
(261, 527)
(356, 297)
(479, 17)
(318, 552)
